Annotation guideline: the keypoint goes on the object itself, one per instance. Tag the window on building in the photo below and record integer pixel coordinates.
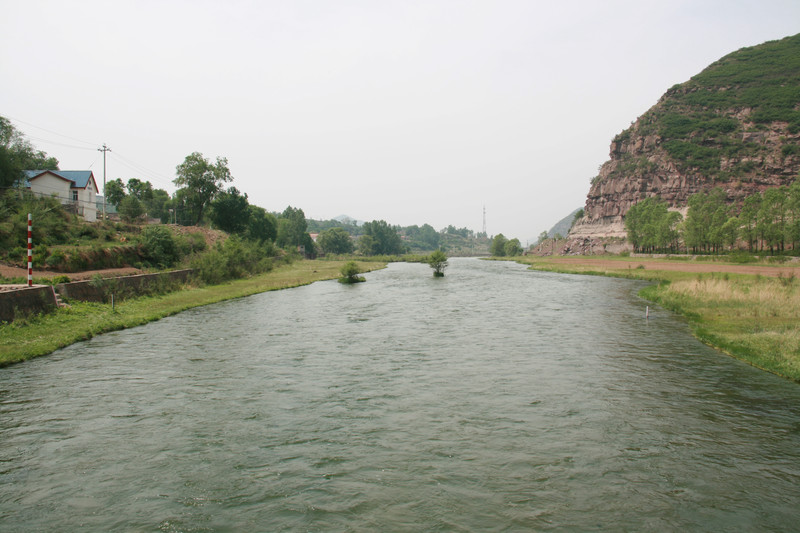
(74, 196)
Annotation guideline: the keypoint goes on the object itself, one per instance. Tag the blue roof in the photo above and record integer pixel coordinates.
(79, 178)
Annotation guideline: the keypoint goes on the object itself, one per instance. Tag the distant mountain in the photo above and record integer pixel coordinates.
(560, 228)
(348, 220)
(735, 125)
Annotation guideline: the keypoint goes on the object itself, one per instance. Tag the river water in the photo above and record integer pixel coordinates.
(494, 398)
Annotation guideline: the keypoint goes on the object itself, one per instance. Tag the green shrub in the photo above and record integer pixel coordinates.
(158, 246)
(56, 259)
(350, 273)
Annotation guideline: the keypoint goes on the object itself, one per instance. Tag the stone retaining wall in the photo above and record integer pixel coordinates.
(26, 301)
(101, 290)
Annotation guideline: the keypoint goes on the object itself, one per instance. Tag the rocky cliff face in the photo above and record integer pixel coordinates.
(639, 168)
(720, 129)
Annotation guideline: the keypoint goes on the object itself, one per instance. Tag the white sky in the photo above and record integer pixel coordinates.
(416, 111)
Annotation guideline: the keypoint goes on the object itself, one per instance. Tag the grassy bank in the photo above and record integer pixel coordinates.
(754, 318)
(43, 334)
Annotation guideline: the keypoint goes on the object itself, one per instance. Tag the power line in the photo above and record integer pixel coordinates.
(141, 169)
(53, 132)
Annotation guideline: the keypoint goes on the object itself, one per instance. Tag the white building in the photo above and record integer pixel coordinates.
(75, 189)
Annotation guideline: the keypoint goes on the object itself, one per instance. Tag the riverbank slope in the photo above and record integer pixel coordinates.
(41, 335)
(751, 312)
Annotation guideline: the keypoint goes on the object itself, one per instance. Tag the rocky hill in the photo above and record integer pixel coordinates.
(735, 125)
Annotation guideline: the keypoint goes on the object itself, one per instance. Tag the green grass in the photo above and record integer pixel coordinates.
(753, 318)
(42, 334)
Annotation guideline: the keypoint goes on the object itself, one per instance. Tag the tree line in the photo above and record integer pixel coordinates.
(769, 220)
(205, 195)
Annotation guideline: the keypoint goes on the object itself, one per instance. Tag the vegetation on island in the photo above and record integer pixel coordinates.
(350, 273)
(438, 262)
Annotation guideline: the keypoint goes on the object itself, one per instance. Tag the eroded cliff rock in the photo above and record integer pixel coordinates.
(736, 126)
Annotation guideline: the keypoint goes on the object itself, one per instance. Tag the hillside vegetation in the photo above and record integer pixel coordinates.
(712, 122)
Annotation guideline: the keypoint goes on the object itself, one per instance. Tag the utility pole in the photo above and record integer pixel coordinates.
(104, 149)
(484, 221)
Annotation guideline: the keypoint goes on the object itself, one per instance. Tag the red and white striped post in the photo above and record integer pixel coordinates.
(30, 250)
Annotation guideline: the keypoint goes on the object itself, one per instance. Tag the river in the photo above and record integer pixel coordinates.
(495, 398)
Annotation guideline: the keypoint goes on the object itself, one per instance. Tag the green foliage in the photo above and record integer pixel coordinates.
(130, 209)
(292, 230)
(114, 192)
(201, 181)
(18, 155)
(651, 226)
(707, 214)
(350, 273)
(381, 239)
(498, 247)
(230, 211)
(438, 262)
(261, 225)
(335, 241)
(512, 248)
(235, 258)
(700, 121)
(159, 247)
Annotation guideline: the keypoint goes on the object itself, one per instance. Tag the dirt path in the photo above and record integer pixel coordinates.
(681, 266)
(16, 272)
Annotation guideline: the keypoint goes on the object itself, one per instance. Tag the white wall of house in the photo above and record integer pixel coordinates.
(51, 185)
(84, 199)
(87, 202)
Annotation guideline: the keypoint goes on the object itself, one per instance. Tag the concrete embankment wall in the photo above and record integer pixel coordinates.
(25, 302)
(124, 287)
(28, 301)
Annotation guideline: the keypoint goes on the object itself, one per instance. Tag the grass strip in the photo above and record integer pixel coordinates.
(43, 334)
(750, 317)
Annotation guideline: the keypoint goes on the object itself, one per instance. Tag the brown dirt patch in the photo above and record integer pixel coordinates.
(680, 266)
(16, 272)
(212, 236)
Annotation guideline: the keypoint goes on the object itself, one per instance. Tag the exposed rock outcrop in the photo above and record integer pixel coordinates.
(708, 132)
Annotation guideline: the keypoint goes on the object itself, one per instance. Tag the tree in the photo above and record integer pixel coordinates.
(292, 228)
(438, 262)
(17, 155)
(498, 247)
(262, 226)
(335, 241)
(114, 192)
(652, 226)
(143, 190)
(229, 211)
(366, 245)
(130, 208)
(385, 240)
(156, 205)
(512, 248)
(201, 182)
(748, 220)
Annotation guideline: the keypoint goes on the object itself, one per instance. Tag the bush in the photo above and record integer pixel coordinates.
(235, 258)
(56, 259)
(158, 246)
(350, 273)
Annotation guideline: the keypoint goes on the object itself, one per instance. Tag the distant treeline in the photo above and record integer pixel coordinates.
(763, 221)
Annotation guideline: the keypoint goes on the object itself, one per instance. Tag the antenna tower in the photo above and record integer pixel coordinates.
(484, 220)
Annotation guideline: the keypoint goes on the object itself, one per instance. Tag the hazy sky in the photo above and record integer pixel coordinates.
(409, 111)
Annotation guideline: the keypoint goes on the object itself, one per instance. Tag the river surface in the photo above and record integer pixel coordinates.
(495, 398)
